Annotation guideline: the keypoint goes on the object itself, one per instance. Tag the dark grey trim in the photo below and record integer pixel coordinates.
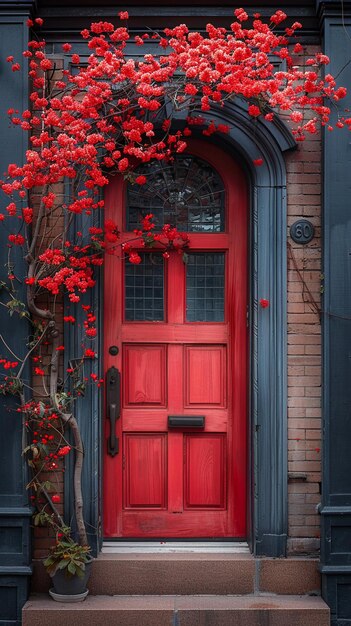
(65, 19)
(268, 414)
(335, 569)
(16, 571)
(88, 408)
(336, 486)
(15, 511)
(269, 393)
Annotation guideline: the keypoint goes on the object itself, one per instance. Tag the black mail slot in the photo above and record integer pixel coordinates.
(186, 421)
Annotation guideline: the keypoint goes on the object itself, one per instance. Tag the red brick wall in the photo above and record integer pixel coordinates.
(304, 350)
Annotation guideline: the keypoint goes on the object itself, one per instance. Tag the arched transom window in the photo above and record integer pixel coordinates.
(186, 192)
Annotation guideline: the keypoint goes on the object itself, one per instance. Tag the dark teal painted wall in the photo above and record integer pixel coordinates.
(336, 494)
(15, 514)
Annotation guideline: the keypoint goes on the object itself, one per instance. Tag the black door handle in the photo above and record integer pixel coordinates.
(113, 402)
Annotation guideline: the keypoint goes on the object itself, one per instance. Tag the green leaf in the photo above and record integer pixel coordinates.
(79, 571)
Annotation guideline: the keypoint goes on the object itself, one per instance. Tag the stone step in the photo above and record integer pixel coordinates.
(191, 574)
(170, 610)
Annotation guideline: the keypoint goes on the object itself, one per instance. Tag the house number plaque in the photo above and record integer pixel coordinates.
(302, 231)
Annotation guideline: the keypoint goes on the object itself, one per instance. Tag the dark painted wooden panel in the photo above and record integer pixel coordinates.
(337, 298)
(15, 513)
(13, 594)
(13, 93)
(336, 494)
(14, 538)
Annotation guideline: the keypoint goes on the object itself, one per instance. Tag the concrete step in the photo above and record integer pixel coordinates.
(192, 574)
(170, 610)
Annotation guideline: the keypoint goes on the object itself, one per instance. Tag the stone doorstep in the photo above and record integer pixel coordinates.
(192, 574)
(178, 611)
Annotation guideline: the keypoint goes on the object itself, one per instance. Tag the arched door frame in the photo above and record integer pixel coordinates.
(268, 380)
(247, 139)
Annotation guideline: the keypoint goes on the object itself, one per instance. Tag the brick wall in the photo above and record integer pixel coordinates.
(304, 350)
(52, 227)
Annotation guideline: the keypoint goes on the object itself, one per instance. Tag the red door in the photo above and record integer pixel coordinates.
(181, 334)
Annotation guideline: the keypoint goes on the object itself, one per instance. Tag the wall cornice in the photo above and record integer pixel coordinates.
(18, 7)
(66, 19)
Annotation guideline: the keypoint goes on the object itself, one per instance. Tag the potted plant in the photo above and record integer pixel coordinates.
(69, 565)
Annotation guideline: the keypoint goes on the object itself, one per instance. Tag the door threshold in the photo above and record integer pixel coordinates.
(144, 547)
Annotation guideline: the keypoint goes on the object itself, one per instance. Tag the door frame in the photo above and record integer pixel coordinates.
(267, 484)
(236, 210)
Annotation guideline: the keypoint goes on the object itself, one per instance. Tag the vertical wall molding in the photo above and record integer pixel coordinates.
(15, 512)
(336, 493)
(88, 409)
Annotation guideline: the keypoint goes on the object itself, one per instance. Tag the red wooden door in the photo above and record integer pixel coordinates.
(181, 332)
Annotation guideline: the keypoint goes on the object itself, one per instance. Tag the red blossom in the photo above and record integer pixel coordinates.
(89, 354)
(134, 258)
(140, 180)
(123, 165)
(17, 240)
(64, 450)
(91, 332)
(39, 371)
(254, 110)
(69, 318)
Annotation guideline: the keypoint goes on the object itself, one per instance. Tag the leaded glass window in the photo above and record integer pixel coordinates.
(205, 287)
(144, 289)
(185, 192)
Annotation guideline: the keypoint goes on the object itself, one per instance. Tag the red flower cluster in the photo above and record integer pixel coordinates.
(107, 107)
(8, 364)
(168, 238)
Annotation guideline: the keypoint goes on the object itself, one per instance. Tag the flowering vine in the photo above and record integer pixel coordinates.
(104, 116)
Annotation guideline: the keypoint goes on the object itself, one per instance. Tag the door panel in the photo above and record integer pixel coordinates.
(182, 338)
(145, 471)
(144, 375)
(205, 376)
(205, 471)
